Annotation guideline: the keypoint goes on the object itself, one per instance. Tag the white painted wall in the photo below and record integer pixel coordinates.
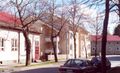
(7, 54)
(22, 47)
(112, 47)
(85, 43)
(71, 42)
(77, 45)
(32, 38)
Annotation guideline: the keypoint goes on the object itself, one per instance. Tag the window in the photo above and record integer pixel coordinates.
(2, 44)
(14, 44)
(37, 43)
(70, 46)
(117, 48)
(117, 42)
(71, 35)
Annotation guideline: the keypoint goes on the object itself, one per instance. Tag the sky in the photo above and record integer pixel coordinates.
(112, 20)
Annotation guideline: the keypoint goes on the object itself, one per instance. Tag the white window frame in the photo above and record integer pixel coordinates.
(2, 44)
(14, 44)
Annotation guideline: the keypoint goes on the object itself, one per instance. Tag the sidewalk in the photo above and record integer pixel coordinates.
(22, 67)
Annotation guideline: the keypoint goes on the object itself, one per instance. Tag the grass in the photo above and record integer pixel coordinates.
(3, 69)
(36, 64)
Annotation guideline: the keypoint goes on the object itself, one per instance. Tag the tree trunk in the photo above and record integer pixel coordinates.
(74, 45)
(54, 49)
(96, 47)
(119, 9)
(85, 48)
(86, 53)
(104, 37)
(28, 47)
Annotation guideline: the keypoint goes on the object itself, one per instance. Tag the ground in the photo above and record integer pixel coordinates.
(114, 59)
(52, 67)
(114, 70)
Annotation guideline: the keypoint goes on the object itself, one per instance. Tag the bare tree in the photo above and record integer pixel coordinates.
(104, 36)
(56, 21)
(76, 15)
(28, 12)
(96, 28)
(104, 32)
(115, 6)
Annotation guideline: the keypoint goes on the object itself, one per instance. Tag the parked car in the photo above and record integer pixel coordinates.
(96, 61)
(77, 66)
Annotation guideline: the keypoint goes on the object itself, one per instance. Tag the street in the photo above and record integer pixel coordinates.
(41, 70)
(114, 59)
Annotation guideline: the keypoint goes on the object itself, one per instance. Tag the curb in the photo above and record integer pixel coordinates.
(21, 67)
(37, 66)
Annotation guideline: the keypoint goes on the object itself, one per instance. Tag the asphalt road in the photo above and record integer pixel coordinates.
(114, 59)
(41, 70)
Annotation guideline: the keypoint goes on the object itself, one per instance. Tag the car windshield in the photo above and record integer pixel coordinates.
(75, 63)
(97, 60)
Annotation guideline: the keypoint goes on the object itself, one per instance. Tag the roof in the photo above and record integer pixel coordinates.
(109, 38)
(8, 18)
(9, 21)
(57, 24)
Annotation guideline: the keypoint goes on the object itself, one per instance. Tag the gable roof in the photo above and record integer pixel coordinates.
(57, 23)
(109, 38)
(11, 22)
(8, 18)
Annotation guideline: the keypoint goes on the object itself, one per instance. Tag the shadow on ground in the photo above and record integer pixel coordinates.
(55, 70)
(114, 70)
(41, 70)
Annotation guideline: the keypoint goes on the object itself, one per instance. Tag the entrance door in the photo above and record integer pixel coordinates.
(37, 50)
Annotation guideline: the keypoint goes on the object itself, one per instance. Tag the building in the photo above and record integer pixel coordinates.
(112, 47)
(12, 43)
(64, 42)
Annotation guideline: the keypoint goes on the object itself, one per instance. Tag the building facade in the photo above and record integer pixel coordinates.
(12, 42)
(112, 47)
(65, 42)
